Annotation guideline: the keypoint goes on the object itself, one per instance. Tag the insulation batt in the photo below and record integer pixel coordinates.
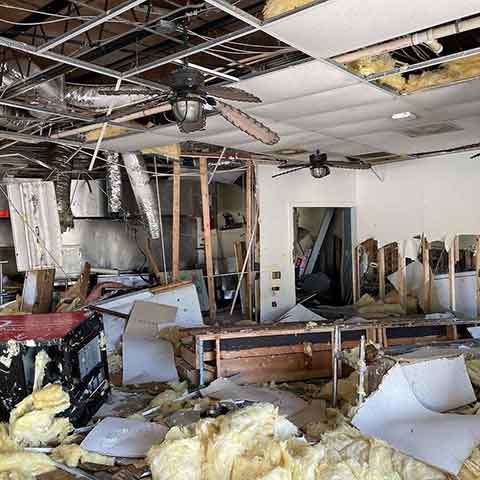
(33, 422)
(72, 455)
(258, 443)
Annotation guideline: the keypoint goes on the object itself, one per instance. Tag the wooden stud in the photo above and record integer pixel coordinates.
(477, 273)
(239, 249)
(176, 222)
(381, 273)
(452, 298)
(427, 277)
(402, 280)
(152, 262)
(248, 234)
(218, 357)
(207, 239)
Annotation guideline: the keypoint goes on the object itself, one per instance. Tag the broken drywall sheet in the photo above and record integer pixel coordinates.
(442, 384)
(122, 437)
(394, 414)
(224, 389)
(301, 314)
(185, 298)
(147, 358)
(474, 332)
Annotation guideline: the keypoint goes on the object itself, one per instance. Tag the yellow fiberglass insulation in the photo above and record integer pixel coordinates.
(33, 422)
(258, 443)
(273, 8)
(24, 465)
(72, 455)
(367, 66)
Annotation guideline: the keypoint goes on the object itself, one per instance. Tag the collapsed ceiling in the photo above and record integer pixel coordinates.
(92, 76)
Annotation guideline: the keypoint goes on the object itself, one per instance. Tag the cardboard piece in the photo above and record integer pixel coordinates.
(147, 358)
(121, 437)
(224, 389)
(394, 414)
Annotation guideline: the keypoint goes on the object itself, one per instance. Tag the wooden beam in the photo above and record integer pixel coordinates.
(37, 291)
(176, 222)
(248, 234)
(452, 297)
(239, 249)
(356, 274)
(381, 273)
(402, 280)
(477, 274)
(207, 239)
(427, 277)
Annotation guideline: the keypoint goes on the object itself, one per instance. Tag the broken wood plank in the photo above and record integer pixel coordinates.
(37, 291)
(151, 260)
(170, 286)
(176, 222)
(207, 239)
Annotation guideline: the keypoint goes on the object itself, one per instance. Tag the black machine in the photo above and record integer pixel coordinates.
(75, 344)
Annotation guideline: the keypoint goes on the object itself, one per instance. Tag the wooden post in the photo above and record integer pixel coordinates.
(240, 249)
(176, 222)
(477, 274)
(381, 273)
(152, 262)
(37, 291)
(452, 300)
(207, 238)
(427, 277)
(402, 280)
(248, 234)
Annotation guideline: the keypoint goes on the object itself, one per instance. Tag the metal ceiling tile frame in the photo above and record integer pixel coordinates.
(35, 225)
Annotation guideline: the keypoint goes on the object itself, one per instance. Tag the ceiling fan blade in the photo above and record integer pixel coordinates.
(290, 171)
(352, 164)
(247, 124)
(231, 93)
(293, 165)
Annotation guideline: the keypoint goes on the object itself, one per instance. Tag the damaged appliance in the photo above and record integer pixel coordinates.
(73, 349)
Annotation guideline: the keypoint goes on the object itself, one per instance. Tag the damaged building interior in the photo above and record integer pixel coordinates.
(238, 240)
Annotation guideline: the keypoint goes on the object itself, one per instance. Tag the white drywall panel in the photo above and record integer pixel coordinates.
(277, 197)
(436, 196)
(465, 298)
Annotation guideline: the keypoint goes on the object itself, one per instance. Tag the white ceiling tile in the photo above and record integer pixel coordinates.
(337, 26)
(331, 100)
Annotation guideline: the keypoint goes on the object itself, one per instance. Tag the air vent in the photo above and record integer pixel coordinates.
(431, 129)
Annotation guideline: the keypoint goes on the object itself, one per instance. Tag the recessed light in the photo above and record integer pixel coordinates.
(404, 116)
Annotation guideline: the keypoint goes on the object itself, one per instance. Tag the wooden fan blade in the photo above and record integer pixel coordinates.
(352, 164)
(293, 165)
(247, 124)
(290, 171)
(231, 93)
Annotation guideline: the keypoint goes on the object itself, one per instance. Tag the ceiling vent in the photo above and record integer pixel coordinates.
(431, 129)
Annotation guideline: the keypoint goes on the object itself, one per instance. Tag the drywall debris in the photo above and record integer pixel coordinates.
(72, 455)
(33, 422)
(41, 361)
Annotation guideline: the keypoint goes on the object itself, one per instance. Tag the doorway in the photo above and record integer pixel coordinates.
(322, 253)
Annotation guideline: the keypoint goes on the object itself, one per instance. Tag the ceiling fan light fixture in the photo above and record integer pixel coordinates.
(319, 172)
(188, 108)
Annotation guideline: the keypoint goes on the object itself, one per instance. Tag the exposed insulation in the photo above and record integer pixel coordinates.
(24, 465)
(257, 443)
(110, 132)
(72, 455)
(473, 369)
(172, 151)
(33, 422)
(273, 8)
(41, 361)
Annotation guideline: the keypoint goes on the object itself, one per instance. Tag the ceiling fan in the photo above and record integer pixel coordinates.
(191, 100)
(320, 166)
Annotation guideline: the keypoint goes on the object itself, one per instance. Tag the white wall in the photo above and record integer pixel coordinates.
(437, 196)
(277, 197)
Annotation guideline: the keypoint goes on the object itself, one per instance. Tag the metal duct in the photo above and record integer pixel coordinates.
(114, 183)
(14, 119)
(62, 179)
(98, 100)
(143, 191)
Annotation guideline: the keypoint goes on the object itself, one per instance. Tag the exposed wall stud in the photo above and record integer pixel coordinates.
(248, 234)
(176, 222)
(381, 273)
(427, 277)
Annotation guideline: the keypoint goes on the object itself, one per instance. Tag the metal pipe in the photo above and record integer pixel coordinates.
(418, 38)
(114, 183)
(421, 65)
(159, 205)
(189, 51)
(59, 159)
(94, 22)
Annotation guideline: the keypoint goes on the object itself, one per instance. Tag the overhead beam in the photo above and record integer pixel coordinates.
(89, 25)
